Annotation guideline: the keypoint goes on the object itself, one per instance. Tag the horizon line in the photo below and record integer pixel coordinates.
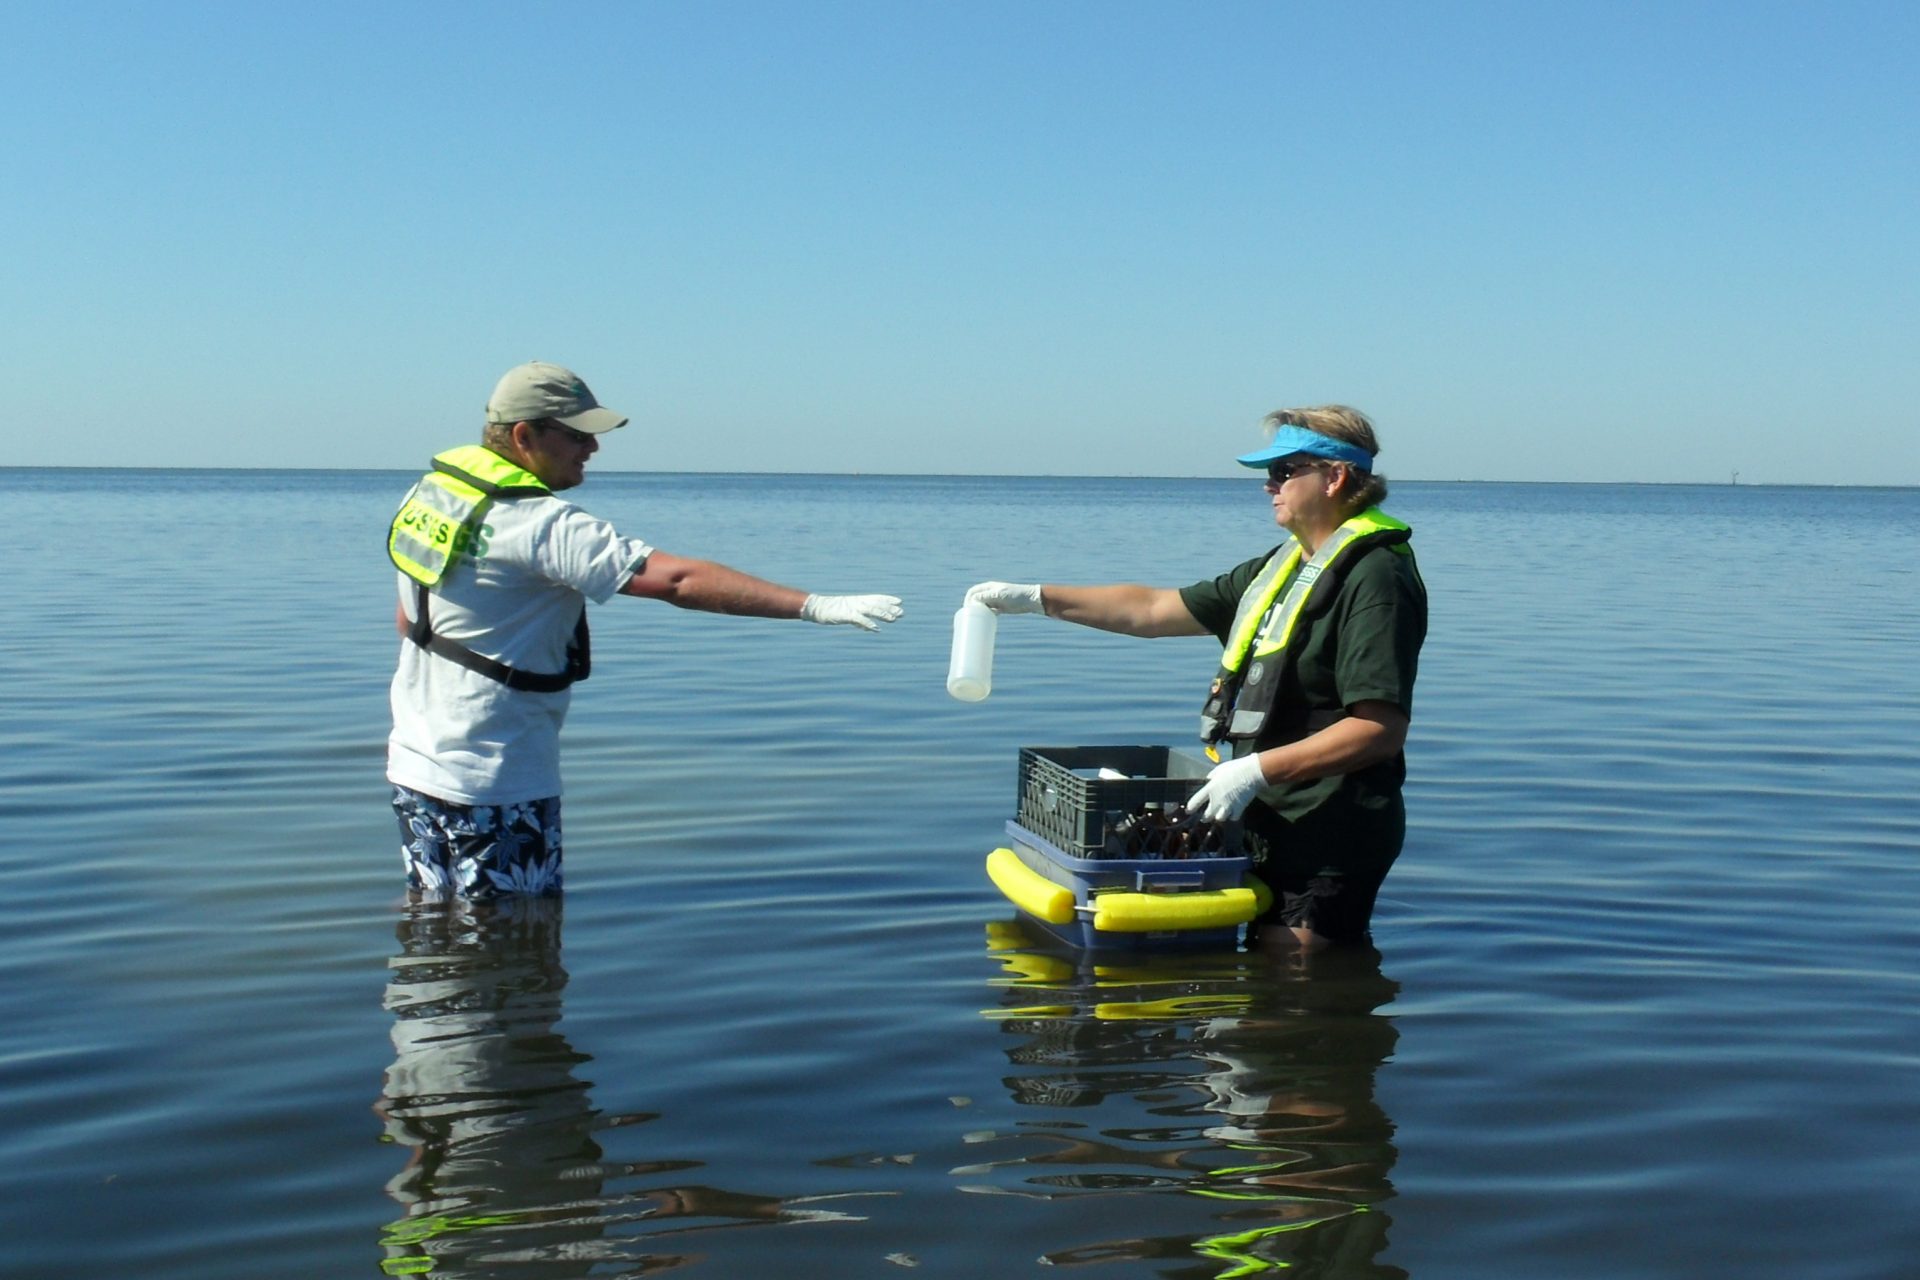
(958, 475)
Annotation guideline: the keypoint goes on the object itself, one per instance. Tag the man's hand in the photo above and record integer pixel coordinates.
(865, 612)
(1228, 790)
(1007, 597)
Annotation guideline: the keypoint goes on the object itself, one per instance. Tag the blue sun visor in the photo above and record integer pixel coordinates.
(1291, 440)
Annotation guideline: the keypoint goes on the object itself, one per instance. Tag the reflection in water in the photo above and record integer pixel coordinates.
(506, 1175)
(1238, 1084)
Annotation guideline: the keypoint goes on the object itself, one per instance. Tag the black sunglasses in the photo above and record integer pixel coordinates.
(1286, 469)
(578, 437)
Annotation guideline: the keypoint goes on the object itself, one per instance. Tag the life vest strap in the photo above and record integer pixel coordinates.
(579, 653)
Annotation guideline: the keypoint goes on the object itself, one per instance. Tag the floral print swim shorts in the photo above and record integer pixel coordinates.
(480, 850)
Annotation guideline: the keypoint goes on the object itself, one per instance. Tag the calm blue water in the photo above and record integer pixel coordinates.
(1645, 1003)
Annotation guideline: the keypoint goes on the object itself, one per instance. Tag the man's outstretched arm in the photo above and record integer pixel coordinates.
(712, 587)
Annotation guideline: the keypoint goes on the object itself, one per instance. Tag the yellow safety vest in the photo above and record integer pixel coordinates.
(441, 521)
(1267, 622)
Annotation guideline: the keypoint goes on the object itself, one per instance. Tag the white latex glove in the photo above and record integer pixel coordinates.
(865, 612)
(1230, 787)
(1007, 597)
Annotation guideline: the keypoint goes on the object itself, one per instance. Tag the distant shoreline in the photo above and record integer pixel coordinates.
(610, 473)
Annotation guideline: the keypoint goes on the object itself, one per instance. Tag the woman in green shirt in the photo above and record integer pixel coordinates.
(1321, 641)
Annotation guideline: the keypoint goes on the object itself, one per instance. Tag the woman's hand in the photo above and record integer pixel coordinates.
(1228, 790)
(1007, 597)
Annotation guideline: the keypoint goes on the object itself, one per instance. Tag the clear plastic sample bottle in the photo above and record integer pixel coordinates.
(970, 669)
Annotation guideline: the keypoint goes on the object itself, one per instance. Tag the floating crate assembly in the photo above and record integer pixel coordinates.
(1100, 854)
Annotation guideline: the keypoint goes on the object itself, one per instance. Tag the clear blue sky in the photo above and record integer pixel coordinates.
(1536, 241)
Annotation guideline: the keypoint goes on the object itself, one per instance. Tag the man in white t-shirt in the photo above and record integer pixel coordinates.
(495, 575)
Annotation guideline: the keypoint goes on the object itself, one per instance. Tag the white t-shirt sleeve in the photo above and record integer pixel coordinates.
(587, 554)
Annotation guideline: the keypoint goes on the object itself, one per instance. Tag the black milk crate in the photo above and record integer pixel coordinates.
(1063, 800)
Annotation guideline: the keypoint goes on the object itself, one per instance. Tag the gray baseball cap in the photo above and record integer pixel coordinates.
(535, 390)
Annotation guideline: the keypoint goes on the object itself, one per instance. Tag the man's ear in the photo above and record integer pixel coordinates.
(521, 433)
